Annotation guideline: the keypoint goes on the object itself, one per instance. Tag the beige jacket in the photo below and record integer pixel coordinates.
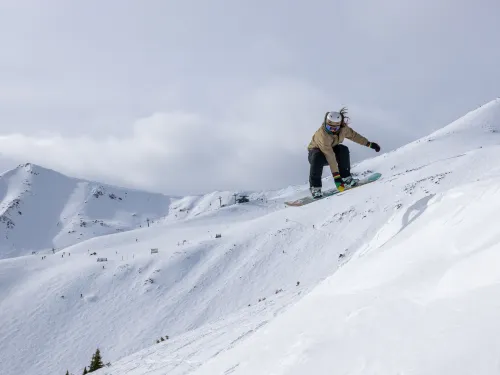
(325, 142)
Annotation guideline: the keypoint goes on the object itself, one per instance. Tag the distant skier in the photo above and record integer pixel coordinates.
(325, 149)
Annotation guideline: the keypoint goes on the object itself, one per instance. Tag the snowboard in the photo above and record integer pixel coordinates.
(328, 193)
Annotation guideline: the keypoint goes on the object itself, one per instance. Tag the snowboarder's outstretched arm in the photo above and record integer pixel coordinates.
(355, 136)
(359, 139)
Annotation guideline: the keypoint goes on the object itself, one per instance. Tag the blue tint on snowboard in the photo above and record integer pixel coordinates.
(328, 193)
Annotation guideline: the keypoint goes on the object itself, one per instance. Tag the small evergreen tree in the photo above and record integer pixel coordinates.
(96, 362)
(85, 370)
(67, 372)
(162, 339)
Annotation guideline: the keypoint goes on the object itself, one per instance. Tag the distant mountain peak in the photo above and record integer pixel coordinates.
(36, 169)
(58, 211)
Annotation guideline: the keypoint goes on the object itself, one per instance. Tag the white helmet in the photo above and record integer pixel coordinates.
(333, 118)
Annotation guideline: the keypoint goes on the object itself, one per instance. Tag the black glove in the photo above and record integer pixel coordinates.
(374, 146)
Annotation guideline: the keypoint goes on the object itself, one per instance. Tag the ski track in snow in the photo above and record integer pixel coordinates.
(396, 277)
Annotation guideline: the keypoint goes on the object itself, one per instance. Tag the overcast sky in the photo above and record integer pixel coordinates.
(185, 97)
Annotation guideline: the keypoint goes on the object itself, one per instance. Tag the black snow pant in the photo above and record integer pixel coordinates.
(317, 160)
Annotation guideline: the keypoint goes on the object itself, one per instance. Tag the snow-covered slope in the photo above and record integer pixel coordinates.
(420, 299)
(394, 277)
(41, 210)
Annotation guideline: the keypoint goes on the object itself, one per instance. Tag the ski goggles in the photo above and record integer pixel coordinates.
(332, 128)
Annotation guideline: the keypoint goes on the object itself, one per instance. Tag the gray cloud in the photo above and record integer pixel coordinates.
(186, 97)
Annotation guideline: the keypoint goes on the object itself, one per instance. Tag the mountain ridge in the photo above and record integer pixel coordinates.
(42, 209)
(68, 210)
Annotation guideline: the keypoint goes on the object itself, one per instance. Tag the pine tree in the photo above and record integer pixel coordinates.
(67, 372)
(85, 371)
(162, 339)
(96, 362)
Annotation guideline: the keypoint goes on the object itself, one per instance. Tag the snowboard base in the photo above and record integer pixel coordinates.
(328, 193)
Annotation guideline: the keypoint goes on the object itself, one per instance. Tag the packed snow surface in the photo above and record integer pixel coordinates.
(397, 277)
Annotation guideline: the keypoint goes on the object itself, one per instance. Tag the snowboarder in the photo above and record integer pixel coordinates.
(325, 149)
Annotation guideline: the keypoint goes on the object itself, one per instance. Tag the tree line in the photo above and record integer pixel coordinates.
(95, 363)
